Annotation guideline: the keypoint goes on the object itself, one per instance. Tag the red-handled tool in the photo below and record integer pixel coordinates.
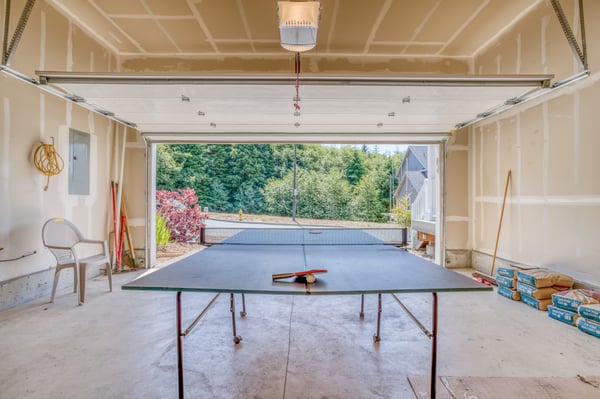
(309, 275)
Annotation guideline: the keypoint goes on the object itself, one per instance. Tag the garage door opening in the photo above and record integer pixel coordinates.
(337, 185)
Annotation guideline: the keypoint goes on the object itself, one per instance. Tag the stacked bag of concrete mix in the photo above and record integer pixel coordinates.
(565, 304)
(506, 278)
(589, 320)
(536, 286)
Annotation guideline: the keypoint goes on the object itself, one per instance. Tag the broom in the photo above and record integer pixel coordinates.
(489, 279)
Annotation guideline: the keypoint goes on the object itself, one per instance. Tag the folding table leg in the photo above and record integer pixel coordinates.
(184, 333)
(179, 347)
(377, 336)
(236, 338)
(434, 325)
(430, 334)
(243, 312)
(362, 307)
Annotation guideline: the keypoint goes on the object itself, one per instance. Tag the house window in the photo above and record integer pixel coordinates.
(79, 163)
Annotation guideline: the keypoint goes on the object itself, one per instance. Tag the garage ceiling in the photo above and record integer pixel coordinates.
(213, 70)
(361, 28)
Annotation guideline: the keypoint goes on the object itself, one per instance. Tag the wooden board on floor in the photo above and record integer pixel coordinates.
(507, 387)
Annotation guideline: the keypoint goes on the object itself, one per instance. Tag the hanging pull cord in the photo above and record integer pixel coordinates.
(297, 70)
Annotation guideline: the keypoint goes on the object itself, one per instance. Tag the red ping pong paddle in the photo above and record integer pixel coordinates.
(305, 273)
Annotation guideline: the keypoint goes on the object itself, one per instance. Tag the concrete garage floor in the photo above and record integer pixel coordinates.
(122, 345)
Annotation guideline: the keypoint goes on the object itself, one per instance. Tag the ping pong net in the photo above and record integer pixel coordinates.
(303, 235)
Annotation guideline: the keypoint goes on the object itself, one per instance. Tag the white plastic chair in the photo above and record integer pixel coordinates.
(61, 237)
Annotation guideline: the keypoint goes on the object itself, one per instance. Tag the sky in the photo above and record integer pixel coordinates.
(388, 149)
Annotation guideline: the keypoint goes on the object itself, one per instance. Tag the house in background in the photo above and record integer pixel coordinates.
(412, 172)
(418, 178)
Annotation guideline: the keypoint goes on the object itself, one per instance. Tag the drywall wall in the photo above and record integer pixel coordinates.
(28, 117)
(552, 214)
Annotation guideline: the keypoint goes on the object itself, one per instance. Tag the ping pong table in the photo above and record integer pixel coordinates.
(358, 262)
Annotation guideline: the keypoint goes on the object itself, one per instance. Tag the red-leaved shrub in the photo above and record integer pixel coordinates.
(184, 215)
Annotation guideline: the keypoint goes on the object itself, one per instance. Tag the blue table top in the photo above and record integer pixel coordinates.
(352, 269)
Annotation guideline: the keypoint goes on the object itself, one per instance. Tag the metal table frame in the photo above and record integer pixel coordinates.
(432, 334)
(352, 270)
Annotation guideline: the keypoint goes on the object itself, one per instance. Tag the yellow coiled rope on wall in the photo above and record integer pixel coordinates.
(48, 161)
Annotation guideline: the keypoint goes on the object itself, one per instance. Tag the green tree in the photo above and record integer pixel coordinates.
(379, 168)
(334, 193)
(401, 212)
(312, 196)
(355, 168)
(278, 196)
(248, 199)
(167, 168)
(217, 199)
(320, 195)
(283, 159)
(338, 195)
(335, 183)
(367, 204)
(249, 166)
(193, 174)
